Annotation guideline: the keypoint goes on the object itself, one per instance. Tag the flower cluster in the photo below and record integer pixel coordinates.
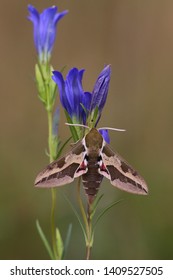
(81, 106)
(75, 100)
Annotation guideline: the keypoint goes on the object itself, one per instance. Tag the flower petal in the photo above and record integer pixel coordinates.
(60, 16)
(59, 80)
(86, 102)
(34, 17)
(86, 99)
(100, 90)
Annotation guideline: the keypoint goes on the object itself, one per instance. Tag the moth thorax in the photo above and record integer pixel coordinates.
(93, 155)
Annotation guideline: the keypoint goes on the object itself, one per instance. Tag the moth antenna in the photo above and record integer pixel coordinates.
(77, 124)
(112, 128)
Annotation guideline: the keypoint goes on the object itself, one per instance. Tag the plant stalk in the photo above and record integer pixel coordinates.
(88, 252)
(53, 191)
(90, 240)
(81, 205)
(87, 222)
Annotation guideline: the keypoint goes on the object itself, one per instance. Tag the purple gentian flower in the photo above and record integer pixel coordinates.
(44, 25)
(72, 94)
(100, 91)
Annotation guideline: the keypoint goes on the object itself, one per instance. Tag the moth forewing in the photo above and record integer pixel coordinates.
(64, 170)
(120, 173)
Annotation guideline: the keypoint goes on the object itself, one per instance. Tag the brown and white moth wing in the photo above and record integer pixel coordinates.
(64, 170)
(121, 174)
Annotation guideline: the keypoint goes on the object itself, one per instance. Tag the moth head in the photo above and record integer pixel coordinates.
(94, 140)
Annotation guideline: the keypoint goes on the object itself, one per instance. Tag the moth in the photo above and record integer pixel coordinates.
(92, 158)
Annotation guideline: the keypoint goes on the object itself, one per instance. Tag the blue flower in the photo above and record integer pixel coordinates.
(100, 91)
(72, 96)
(44, 29)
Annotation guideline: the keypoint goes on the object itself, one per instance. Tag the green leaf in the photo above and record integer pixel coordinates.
(105, 210)
(77, 216)
(59, 244)
(85, 110)
(40, 84)
(45, 242)
(62, 147)
(52, 87)
(72, 128)
(67, 241)
(63, 68)
(95, 204)
(93, 117)
(55, 144)
(47, 153)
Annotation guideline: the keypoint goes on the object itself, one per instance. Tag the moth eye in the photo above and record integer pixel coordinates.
(86, 157)
(99, 158)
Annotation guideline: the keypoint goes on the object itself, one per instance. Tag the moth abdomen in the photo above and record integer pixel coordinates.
(92, 180)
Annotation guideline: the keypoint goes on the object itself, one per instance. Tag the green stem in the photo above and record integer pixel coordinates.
(49, 114)
(87, 221)
(81, 206)
(53, 191)
(90, 241)
(53, 227)
(88, 252)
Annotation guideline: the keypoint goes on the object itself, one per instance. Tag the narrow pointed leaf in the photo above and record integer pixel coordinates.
(83, 107)
(44, 240)
(59, 244)
(77, 216)
(72, 128)
(62, 147)
(95, 204)
(105, 210)
(67, 241)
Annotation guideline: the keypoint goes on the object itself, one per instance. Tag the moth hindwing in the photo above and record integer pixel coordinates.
(92, 158)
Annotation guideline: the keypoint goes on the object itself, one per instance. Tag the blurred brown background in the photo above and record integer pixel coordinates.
(136, 38)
